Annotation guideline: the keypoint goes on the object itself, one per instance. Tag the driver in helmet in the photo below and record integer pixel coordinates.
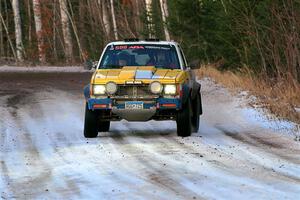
(123, 59)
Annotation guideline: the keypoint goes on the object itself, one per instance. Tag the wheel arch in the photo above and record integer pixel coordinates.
(86, 91)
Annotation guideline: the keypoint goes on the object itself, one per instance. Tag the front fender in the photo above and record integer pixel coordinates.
(86, 91)
(195, 90)
(186, 91)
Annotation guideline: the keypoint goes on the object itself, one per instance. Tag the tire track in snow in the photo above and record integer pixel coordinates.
(30, 158)
(142, 160)
(257, 142)
(154, 170)
(276, 146)
(60, 145)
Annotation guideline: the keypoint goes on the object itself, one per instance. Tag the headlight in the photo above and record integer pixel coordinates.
(111, 88)
(98, 89)
(170, 89)
(156, 87)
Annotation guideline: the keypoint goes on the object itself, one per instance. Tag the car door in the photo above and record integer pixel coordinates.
(193, 84)
(186, 67)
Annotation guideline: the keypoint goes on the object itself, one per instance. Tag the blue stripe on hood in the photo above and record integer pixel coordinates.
(143, 74)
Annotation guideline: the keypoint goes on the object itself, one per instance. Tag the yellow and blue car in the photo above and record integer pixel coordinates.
(144, 80)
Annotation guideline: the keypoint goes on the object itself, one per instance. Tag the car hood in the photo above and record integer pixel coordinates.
(144, 74)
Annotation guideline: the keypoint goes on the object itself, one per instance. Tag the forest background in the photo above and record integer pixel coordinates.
(258, 40)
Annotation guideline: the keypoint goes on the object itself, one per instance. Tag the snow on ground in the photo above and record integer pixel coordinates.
(258, 117)
(235, 155)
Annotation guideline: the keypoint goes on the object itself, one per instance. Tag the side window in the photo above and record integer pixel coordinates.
(182, 56)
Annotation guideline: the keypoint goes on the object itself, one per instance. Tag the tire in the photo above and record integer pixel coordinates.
(196, 114)
(90, 123)
(103, 126)
(184, 120)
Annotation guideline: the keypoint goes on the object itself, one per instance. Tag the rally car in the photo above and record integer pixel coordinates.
(141, 80)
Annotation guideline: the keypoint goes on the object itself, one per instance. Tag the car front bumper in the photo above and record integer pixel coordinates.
(152, 108)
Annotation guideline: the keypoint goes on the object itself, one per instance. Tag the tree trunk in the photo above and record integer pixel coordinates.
(75, 31)
(6, 27)
(1, 36)
(66, 30)
(149, 18)
(38, 30)
(137, 17)
(165, 15)
(29, 23)
(54, 30)
(114, 19)
(18, 30)
(100, 22)
(105, 18)
(8, 37)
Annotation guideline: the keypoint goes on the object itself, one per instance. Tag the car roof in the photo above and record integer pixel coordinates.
(143, 42)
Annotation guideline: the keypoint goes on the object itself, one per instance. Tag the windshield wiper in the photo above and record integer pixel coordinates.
(111, 67)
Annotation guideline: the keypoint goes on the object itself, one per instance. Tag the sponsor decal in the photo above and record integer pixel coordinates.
(157, 47)
(136, 47)
(123, 47)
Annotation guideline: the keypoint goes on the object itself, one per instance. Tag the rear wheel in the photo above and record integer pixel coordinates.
(90, 123)
(196, 114)
(184, 120)
(103, 126)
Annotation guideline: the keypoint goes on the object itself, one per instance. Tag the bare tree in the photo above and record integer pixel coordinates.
(29, 21)
(18, 30)
(137, 16)
(66, 30)
(75, 31)
(149, 18)
(1, 36)
(105, 17)
(38, 29)
(8, 37)
(165, 14)
(114, 19)
(54, 30)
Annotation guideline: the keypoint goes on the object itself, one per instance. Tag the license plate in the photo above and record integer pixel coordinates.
(134, 105)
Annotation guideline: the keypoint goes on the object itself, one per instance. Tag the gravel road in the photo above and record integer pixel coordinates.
(43, 154)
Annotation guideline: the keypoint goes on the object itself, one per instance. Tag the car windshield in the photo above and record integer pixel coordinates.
(160, 56)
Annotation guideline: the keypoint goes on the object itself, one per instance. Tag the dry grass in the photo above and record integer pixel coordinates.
(281, 98)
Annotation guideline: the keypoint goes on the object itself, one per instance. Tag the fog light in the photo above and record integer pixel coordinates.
(111, 88)
(156, 87)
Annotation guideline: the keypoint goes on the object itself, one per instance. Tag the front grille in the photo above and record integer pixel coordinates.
(141, 91)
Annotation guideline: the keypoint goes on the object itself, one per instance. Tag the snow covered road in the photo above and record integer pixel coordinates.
(43, 154)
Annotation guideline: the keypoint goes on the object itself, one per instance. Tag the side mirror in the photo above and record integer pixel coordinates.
(89, 65)
(95, 64)
(195, 64)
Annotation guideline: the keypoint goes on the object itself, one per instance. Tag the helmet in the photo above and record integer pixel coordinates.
(123, 58)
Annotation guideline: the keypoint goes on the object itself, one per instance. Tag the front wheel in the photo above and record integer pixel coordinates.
(90, 123)
(184, 120)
